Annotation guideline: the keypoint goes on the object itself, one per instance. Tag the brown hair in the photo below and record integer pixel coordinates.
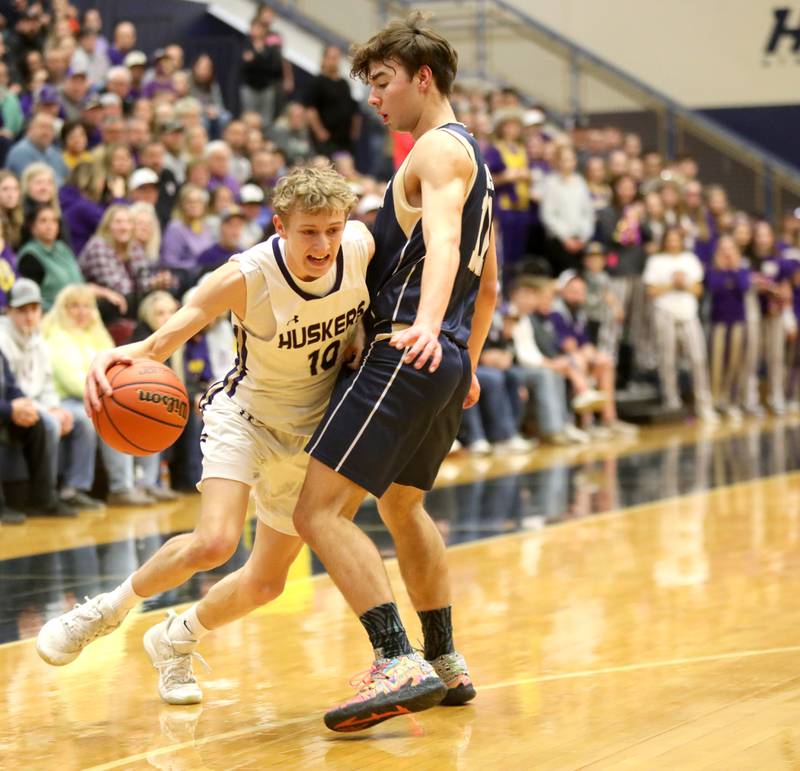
(412, 44)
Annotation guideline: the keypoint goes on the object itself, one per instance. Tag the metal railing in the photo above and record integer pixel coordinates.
(500, 44)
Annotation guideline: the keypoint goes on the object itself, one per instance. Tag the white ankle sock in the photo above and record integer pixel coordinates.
(123, 598)
(187, 627)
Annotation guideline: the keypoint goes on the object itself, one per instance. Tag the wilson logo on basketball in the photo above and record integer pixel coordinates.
(172, 403)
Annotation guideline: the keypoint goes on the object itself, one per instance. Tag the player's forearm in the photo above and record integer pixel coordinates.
(485, 303)
(180, 328)
(481, 321)
(438, 276)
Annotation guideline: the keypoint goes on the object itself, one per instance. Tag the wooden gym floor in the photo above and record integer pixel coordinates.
(651, 627)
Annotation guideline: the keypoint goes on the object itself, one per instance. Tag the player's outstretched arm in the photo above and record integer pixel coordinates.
(223, 291)
(485, 303)
(444, 170)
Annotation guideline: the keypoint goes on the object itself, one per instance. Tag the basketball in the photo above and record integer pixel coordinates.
(145, 412)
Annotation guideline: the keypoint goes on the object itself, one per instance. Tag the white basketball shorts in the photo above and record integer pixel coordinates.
(237, 446)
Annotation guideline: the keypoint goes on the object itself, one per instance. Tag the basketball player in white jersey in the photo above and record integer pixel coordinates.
(297, 301)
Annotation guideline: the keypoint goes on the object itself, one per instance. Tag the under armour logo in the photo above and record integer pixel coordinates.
(294, 320)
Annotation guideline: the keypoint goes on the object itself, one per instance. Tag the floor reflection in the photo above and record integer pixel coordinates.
(37, 587)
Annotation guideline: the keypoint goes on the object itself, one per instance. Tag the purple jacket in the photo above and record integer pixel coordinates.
(568, 323)
(727, 289)
(82, 215)
(8, 273)
(182, 246)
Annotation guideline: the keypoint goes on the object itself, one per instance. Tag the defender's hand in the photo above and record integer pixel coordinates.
(423, 346)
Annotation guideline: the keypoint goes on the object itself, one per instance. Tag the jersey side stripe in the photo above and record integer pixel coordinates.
(403, 290)
(241, 345)
(372, 412)
(342, 401)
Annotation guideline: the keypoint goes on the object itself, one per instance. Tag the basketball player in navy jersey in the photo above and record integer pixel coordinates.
(390, 424)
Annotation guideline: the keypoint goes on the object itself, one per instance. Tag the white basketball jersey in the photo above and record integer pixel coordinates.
(290, 344)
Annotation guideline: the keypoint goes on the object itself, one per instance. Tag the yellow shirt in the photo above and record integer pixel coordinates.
(72, 351)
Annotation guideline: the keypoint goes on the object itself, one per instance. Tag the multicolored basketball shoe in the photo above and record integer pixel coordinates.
(393, 687)
(452, 669)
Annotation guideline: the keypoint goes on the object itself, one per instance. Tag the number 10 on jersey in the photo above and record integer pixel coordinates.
(324, 358)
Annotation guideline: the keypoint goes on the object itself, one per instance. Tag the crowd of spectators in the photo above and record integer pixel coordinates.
(127, 177)
(621, 270)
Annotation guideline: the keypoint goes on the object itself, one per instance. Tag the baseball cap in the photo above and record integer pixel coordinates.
(231, 212)
(24, 292)
(48, 95)
(110, 99)
(251, 193)
(91, 101)
(160, 53)
(141, 177)
(565, 277)
(369, 203)
(533, 117)
(135, 59)
(595, 247)
(76, 70)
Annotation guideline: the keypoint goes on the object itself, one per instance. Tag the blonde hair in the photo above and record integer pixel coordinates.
(187, 190)
(104, 228)
(33, 170)
(313, 190)
(58, 317)
(12, 218)
(147, 307)
(152, 248)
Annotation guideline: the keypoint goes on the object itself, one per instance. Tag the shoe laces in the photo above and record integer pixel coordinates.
(449, 665)
(367, 677)
(81, 624)
(178, 670)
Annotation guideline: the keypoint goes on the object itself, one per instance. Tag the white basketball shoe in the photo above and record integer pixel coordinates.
(173, 660)
(62, 639)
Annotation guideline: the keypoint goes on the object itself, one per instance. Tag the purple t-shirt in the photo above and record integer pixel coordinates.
(8, 273)
(727, 289)
(197, 364)
(567, 325)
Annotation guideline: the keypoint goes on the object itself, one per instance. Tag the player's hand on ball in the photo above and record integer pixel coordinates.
(423, 346)
(473, 394)
(97, 384)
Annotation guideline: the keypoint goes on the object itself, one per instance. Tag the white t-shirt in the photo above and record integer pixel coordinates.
(660, 271)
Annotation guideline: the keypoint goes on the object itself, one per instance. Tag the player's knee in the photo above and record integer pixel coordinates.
(397, 506)
(208, 552)
(304, 525)
(259, 592)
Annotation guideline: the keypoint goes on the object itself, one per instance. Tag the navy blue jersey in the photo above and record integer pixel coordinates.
(394, 277)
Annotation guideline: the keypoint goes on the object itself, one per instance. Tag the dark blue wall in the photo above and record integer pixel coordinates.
(773, 128)
(160, 22)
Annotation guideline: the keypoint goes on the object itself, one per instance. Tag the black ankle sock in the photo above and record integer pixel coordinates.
(437, 629)
(386, 632)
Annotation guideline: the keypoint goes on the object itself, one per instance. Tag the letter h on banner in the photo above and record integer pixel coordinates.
(781, 29)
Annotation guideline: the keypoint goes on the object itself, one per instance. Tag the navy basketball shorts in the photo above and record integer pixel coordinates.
(388, 422)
